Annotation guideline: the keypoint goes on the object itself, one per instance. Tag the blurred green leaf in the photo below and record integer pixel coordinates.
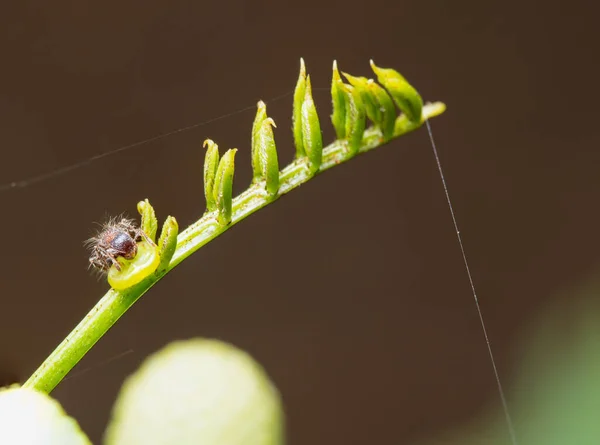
(197, 392)
(555, 399)
(29, 417)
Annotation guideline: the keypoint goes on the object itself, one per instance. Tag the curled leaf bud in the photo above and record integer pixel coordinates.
(149, 223)
(311, 130)
(167, 242)
(299, 95)
(211, 161)
(404, 94)
(388, 111)
(370, 103)
(264, 152)
(355, 118)
(261, 115)
(135, 270)
(223, 186)
(338, 117)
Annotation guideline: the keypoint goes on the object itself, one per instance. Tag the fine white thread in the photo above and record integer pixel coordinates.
(509, 422)
(76, 374)
(62, 170)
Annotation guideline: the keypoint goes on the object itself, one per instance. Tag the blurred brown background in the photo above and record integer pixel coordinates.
(350, 291)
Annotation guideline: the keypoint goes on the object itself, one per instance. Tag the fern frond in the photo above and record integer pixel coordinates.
(352, 102)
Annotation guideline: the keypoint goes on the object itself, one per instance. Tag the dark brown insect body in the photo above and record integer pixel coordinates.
(117, 239)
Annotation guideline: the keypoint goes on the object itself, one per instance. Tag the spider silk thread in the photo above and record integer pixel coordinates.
(77, 165)
(509, 422)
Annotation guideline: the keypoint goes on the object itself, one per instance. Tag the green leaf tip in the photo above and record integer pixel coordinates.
(265, 164)
(372, 107)
(211, 162)
(386, 105)
(379, 106)
(167, 243)
(311, 130)
(261, 115)
(306, 126)
(135, 270)
(338, 98)
(149, 224)
(355, 118)
(299, 94)
(168, 236)
(223, 186)
(404, 94)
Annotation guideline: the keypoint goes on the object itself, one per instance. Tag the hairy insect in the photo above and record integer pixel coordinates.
(118, 238)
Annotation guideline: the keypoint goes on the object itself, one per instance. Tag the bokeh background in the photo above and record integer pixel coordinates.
(350, 291)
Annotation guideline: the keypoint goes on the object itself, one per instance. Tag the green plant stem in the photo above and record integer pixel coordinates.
(115, 303)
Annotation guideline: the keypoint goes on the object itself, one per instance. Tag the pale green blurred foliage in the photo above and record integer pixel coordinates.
(29, 417)
(198, 391)
(192, 392)
(555, 397)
